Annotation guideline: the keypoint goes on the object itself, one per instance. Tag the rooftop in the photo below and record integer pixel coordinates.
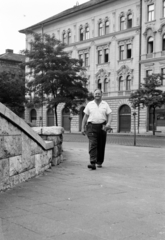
(11, 56)
(77, 8)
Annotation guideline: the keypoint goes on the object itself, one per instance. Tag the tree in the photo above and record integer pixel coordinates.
(12, 91)
(55, 77)
(149, 95)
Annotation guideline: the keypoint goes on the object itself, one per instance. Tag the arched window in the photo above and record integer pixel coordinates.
(105, 85)
(129, 20)
(150, 45)
(69, 37)
(122, 23)
(33, 116)
(99, 84)
(106, 26)
(87, 32)
(81, 34)
(64, 37)
(100, 28)
(128, 83)
(163, 43)
(121, 83)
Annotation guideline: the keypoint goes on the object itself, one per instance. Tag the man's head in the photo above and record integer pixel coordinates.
(98, 94)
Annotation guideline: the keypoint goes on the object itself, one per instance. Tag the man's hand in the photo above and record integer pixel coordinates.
(107, 127)
(83, 132)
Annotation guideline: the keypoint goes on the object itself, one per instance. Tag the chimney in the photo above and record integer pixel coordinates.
(9, 50)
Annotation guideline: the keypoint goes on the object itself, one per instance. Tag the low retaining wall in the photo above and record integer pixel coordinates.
(23, 153)
(52, 134)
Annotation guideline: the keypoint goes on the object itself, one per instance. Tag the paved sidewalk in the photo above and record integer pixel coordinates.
(125, 200)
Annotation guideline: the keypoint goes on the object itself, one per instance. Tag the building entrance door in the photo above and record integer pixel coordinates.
(66, 119)
(125, 119)
(50, 117)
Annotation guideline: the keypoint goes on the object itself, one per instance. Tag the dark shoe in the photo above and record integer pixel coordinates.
(92, 166)
(99, 165)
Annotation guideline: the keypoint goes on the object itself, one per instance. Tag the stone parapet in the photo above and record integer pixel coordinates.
(54, 134)
(23, 153)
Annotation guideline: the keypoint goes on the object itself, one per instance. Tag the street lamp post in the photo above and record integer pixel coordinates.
(134, 114)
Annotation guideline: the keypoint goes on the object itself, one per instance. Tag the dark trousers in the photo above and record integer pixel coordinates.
(97, 141)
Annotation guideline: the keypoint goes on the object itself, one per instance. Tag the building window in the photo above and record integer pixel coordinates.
(106, 26)
(106, 55)
(128, 83)
(99, 56)
(99, 84)
(121, 83)
(121, 52)
(129, 50)
(86, 59)
(81, 34)
(151, 12)
(122, 23)
(150, 45)
(148, 73)
(81, 58)
(129, 21)
(69, 37)
(163, 8)
(64, 38)
(100, 29)
(105, 85)
(87, 33)
(163, 76)
(163, 43)
(33, 116)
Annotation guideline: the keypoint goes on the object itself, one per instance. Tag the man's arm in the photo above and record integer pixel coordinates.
(84, 121)
(109, 120)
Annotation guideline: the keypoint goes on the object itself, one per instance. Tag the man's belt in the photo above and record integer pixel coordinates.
(97, 124)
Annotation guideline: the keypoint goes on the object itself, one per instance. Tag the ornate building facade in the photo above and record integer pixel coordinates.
(106, 35)
(153, 54)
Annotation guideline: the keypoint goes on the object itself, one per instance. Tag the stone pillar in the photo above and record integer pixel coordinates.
(54, 134)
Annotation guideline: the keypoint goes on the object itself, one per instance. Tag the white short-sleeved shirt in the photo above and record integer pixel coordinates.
(97, 113)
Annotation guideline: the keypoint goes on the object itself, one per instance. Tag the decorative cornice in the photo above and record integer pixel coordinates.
(149, 28)
(125, 41)
(149, 1)
(124, 71)
(105, 46)
(161, 27)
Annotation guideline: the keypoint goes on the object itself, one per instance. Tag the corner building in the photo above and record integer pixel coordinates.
(105, 34)
(153, 55)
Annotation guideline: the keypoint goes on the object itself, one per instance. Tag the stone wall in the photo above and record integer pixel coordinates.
(53, 134)
(23, 153)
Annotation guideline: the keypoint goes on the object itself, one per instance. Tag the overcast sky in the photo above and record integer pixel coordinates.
(19, 14)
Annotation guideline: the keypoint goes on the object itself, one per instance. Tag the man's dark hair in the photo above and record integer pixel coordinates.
(97, 89)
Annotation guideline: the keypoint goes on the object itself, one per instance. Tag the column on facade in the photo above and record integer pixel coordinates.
(75, 33)
(93, 27)
(93, 61)
(114, 21)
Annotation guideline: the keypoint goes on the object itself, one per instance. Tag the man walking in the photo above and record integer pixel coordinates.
(98, 118)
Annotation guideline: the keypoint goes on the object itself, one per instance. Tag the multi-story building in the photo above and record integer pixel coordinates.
(153, 53)
(106, 35)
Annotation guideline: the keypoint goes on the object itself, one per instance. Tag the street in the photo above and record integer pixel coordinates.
(127, 140)
(124, 200)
